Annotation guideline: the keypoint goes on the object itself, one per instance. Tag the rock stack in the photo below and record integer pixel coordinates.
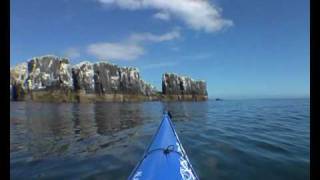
(175, 87)
(51, 78)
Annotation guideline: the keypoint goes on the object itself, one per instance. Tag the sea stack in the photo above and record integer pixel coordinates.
(175, 87)
(52, 78)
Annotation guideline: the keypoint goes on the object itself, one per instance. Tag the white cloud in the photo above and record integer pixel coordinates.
(72, 53)
(140, 37)
(197, 14)
(115, 51)
(130, 49)
(162, 15)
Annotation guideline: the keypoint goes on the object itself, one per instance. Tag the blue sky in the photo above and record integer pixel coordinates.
(242, 48)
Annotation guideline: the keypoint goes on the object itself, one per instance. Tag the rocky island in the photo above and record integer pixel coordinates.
(175, 87)
(53, 79)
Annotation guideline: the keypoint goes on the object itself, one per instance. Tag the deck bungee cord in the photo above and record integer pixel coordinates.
(165, 157)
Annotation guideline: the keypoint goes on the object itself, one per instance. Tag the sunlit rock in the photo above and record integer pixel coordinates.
(49, 72)
(83, 77)
(52, 78)
(183, 88)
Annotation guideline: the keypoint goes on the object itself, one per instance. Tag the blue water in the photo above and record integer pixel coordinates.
(231, 139)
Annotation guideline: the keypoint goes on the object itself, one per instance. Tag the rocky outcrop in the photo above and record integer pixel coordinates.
(175, 87)
(18, 76)
(52, 78)
(106, 78)
(49, 72)
(83, 77)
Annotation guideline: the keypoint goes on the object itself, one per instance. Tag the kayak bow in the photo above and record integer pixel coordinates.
(165, 157)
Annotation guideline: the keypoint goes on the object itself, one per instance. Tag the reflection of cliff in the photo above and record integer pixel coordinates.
(182, 111)
(84, 120)
(107, 117)
(112, 117)
(47, 126)
(69, 129)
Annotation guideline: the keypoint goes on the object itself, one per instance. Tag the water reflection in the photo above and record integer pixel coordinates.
(52, 129)
(184, 111)
(49, 128)
(84, 120)
(106, 140)
(113, 117)
(55, 129)
(17, 126)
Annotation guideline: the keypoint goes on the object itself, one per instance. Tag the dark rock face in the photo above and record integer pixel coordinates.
(111, 79)
(105, 78)
(48, 72)
(82, 75)
(51, 78)
(183, 87)
(148, 89)
(18, 76)
(51, 73)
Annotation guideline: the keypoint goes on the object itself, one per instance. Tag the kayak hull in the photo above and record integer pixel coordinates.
(165, 157)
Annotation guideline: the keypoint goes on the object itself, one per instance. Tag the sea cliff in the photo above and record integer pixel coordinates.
(53, 79)
(175, 87)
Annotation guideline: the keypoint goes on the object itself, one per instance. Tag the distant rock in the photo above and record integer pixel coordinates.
(18, 76)
(110, 78)
(49, 72)
(175, 87)
(83, 77)
(52, 78)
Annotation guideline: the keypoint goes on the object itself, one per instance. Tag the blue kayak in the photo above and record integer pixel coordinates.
(165, 158)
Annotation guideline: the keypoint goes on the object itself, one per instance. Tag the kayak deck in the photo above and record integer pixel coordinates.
(165, 157)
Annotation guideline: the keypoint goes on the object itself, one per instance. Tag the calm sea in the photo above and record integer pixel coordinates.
(231, 139)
